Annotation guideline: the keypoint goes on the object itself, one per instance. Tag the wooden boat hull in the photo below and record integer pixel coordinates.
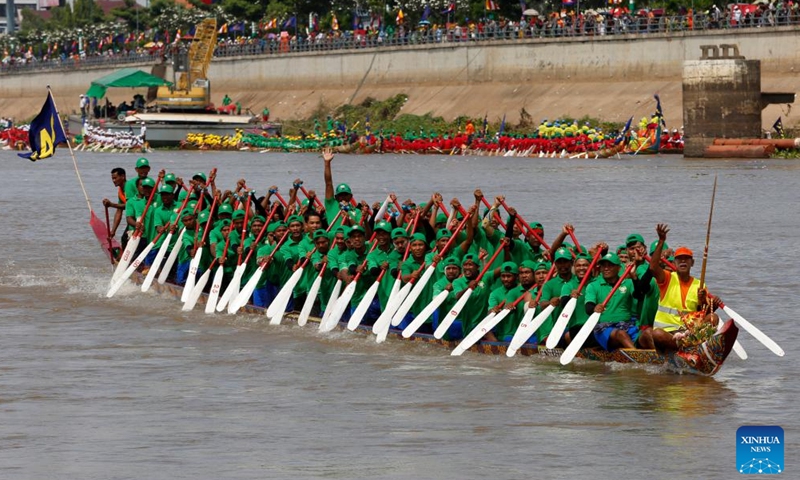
(705, 359)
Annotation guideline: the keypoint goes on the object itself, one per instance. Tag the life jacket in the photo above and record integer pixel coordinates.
(671, 305)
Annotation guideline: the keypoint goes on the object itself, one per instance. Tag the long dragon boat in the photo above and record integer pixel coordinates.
(704, 359)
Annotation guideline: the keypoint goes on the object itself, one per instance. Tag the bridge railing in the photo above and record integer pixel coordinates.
(433, 38)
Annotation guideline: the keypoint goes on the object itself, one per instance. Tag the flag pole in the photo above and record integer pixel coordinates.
(72, 153)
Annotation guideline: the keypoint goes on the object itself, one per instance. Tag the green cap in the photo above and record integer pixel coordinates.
(583, 256)
(471, 257)
(633, 238)
(536, 226)
(610, 257)
(201, 175)
(441, 218)
(225, 208)
(187, 213)
(562, 254)
(541, 266)
(294, 218)
(223, 223)
(343, 188)
(273, 226)
(148, 182)
(419, 237)
(509, 267)
(142, 162)
(320, 233)
(356, 229)
(529, 264)
(191, 205)
(165, 189)
(654, 244)
(621, 248)
(443, 233)
(170, 177)
(399, 233)
(203, 217)
(237, 215)
(450, 261)
(257, 218)
(384, 227)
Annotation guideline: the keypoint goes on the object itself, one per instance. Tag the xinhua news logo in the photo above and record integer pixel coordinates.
(759, 450)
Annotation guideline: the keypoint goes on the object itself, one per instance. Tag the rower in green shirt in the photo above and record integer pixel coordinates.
(551, 292)
(477, 306)
(142, 170)
(339, 198)
(452, 270)
(350, 264)
(385, 256)
(410, 269)
(502, 297)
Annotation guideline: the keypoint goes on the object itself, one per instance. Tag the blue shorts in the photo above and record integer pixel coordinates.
(182, 273)
(372, 314)
(263, 296)
(148, 260)
(602, 332)
(454, 332)
(533, 339)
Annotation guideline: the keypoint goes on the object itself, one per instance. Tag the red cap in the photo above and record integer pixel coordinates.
(683, 252)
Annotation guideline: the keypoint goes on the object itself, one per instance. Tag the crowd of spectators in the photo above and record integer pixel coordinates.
(586, 23)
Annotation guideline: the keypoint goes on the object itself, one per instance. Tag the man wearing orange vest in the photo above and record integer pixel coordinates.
(680, 294)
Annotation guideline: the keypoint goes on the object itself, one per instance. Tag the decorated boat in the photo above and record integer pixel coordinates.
(704, 359)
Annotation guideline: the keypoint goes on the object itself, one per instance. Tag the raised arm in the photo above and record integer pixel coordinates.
(655, 260)
(327, 156)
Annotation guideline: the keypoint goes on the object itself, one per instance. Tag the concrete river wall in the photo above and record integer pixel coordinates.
(606, 77)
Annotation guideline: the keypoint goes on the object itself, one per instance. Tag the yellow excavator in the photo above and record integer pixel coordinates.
(191, 88)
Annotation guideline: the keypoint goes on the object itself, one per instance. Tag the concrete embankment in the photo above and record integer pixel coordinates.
(605, 77)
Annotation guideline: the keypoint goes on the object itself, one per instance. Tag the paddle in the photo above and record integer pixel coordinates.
(194, 265)
(199, 285)
(278, 306)
(486, 325)
(216, 284)
(326, 325)
(123, 277)
(529, 324)
(496, 215)
(453, 313)
(525, 227)
(569, 308)
(397, 295)
(343, 302)
(317, 202)
(587, 328)
(363, 305)
(162, 251)
(312, 294)
(244, 296)
(133, 242)
(753, 330)
(426, 276)
(708, 237)
(233, 287)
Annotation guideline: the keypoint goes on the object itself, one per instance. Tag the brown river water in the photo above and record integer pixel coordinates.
(131, 387)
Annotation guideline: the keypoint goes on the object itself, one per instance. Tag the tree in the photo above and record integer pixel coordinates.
(86, 12)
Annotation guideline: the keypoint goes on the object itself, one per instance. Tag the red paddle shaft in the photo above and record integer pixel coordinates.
(523, 225)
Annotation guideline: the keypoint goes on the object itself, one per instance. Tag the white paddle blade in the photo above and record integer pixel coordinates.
(577, 342)
(213, 294)
(197, 290)
(561, 323)
(526, 328)
(162, 252)
(388, 310)
(737, 347)
(412, 297)
(342, 303)
(233, 288)
(363, 306)
(194, 266)
(279, 304)
(337, 287)
(244, 296)
(480, 330)
(309, 304)
(128, 271)
(402, 294)
(755, 332)
(426, 312)
(125, 259)
(173, 255)
(383, 209)
(452, 314)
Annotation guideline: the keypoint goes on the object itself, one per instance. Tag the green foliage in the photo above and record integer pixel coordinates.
(86, 12)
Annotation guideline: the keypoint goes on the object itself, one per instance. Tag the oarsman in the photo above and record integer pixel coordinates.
(134, 209)
(224, 212)
(163, 216)
(270, 282)
(680, 296)
(338, 198)
(477, 306)
(176, 184)
(644, 309)
(186, 252)
(226, 258)
(616, 328)
(387, 257)
(452, 270)
(319, 258)
(551, 292)
(295, 246)
(502, 297)
(527, 248)
(350, 263)
(119, 179)
(570, 290)
(142, 170)
(412, 269)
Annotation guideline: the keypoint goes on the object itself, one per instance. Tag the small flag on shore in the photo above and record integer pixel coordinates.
(491, 5)
(659, 112)
(46, 132)
(778, 127)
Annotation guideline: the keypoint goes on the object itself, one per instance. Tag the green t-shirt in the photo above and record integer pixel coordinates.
(375, 260)
(477, 306)
(579, 316)
(164, 217)
(332, 208)
(509, 325)
(350, 260)
(552, 289)
(620, 307)
(276, 269)
(645, 309)
(426, 295)
(135, 208)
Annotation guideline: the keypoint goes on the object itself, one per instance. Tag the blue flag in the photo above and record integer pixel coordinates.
(503, 124)
(624, 132)
(659, 112)
(45, 133)
(778, 127)
(291, 22)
